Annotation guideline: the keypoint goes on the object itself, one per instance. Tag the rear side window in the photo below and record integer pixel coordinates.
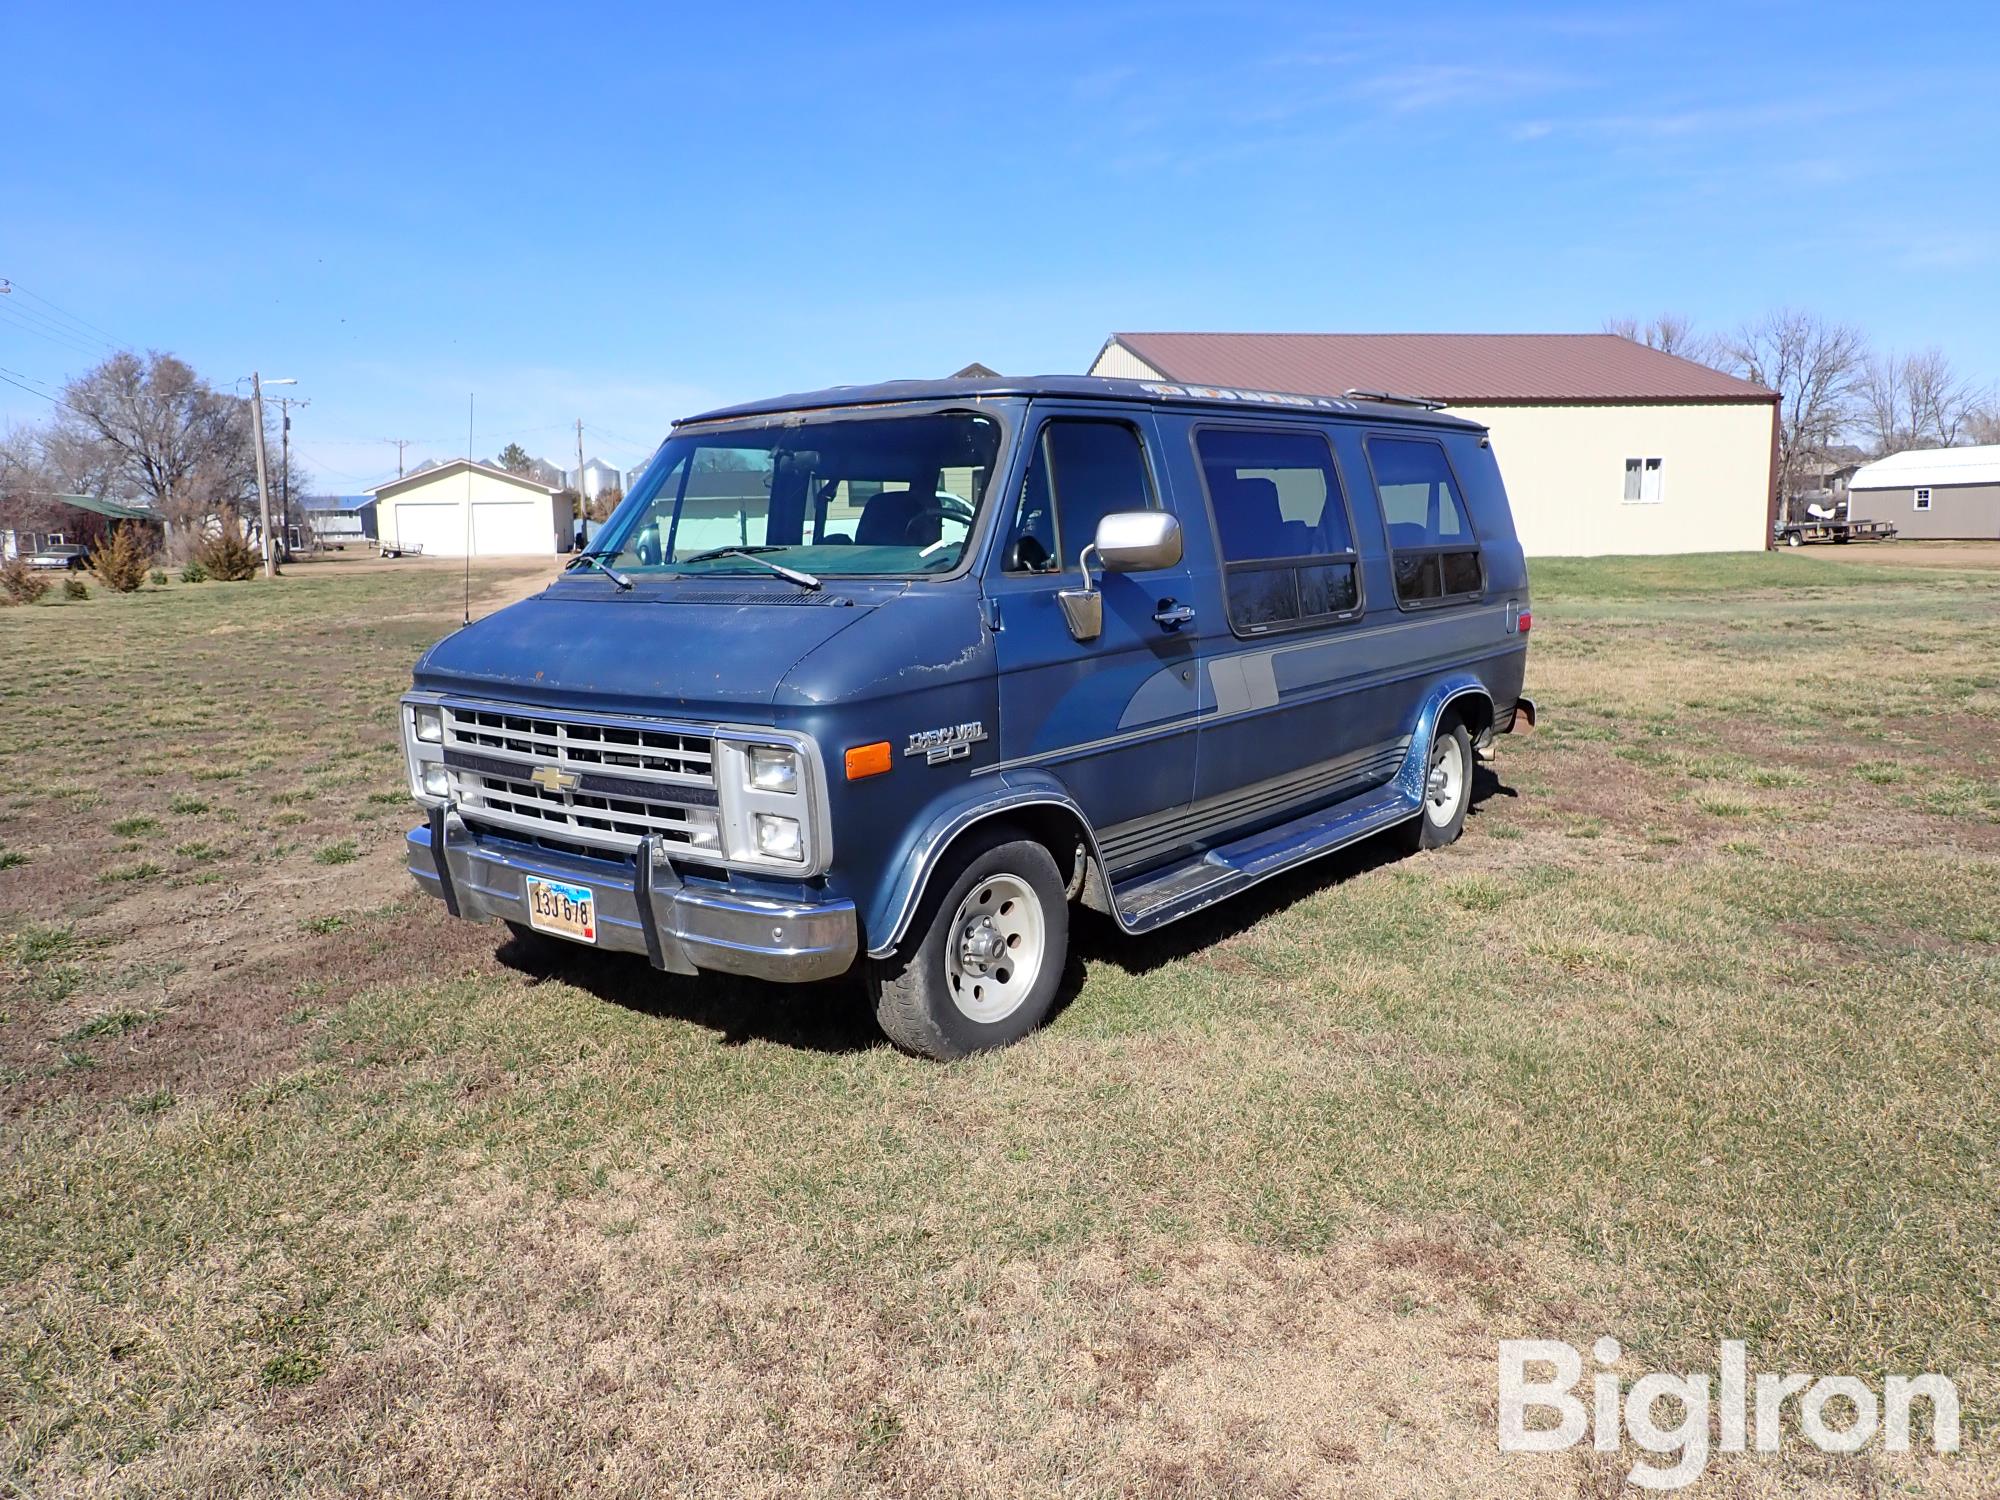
(1081, 472)
(1432, 549)
(1280, 516)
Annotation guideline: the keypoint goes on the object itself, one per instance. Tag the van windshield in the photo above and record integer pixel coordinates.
(862, 495)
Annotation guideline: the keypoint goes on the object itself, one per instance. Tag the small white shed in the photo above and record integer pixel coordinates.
(465, 507)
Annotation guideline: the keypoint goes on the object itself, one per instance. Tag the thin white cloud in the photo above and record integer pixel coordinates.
(1430, 86)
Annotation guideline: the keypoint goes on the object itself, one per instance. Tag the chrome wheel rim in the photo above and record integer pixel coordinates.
(994, 948)
(1447, 781)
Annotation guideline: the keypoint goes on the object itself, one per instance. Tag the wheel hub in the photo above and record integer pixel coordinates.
(979, 945)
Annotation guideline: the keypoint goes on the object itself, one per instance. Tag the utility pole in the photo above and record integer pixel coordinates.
(285, 404)
(263, 485)
(580, 495)
(401, 444)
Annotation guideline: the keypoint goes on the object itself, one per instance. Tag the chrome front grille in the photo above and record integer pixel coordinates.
(582, 744)
(579, 779)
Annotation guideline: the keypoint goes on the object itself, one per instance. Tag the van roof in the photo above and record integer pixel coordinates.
(1096, 388)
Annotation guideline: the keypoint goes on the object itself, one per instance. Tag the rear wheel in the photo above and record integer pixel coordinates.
(984, 955)
(1447, 789)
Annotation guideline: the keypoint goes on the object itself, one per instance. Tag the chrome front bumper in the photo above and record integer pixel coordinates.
(642, 906)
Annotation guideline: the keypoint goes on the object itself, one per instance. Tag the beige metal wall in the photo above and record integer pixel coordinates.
(1959, 512)
(1120, 363)
(1565, 473)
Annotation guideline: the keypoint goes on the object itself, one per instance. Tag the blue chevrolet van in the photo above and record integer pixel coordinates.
(894, 674)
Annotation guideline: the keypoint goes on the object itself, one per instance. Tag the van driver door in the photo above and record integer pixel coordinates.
(1114, 717)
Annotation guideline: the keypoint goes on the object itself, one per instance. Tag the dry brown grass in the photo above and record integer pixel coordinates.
(307, 1189)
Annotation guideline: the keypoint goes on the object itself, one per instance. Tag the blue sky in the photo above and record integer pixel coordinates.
(628, 213)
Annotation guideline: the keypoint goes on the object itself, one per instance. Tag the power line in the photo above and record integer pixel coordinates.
(43, 394)
(11, 316)
(84, 323)
(605, 432)
(33, 318)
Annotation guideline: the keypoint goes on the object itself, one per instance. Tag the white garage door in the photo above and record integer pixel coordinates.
(438, 529)
(510, 528)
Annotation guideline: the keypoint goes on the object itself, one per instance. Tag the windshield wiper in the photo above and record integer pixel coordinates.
(596, 560)
(749, 554)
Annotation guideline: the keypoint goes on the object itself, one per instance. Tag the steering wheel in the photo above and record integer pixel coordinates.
(954, 510)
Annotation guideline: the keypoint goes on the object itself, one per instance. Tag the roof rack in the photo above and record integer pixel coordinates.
(1427, 403)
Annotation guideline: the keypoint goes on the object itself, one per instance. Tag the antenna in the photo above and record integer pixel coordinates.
(468, 509)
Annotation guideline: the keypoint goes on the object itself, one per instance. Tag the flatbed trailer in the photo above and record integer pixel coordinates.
(1801, 533)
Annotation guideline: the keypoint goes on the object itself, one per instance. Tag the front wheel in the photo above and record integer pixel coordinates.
(982, 960)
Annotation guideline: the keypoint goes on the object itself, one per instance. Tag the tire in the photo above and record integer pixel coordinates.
(1795, 540)
(960, 981)
(1447, 790)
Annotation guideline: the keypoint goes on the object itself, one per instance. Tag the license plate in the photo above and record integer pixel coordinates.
(566, 910)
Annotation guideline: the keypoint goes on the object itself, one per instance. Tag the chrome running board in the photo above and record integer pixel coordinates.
(1159, 896)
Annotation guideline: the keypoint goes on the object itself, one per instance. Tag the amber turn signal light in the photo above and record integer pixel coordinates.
(868, 760)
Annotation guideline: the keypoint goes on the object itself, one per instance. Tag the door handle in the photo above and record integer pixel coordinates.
(1171, 616)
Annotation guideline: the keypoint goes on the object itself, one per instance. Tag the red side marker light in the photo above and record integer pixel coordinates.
(1526, 623)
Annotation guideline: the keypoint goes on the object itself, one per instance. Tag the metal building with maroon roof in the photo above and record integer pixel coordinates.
(1607, 446)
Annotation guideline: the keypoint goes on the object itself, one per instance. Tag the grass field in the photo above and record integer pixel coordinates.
(305, 1188)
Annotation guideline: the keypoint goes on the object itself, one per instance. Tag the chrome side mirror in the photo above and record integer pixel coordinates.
(1127, 541)
(1134, 541)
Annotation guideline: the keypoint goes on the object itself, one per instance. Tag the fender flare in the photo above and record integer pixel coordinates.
(979, 800)
(1416, 760)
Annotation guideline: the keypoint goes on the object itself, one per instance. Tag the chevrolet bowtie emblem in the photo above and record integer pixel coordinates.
(555, 779)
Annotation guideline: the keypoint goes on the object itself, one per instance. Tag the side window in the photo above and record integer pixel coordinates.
(1081, 472)
(1287, 548)
(1432, 549)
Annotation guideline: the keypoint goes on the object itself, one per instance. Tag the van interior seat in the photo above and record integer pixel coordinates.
(890, 519)
(1252, 521)
(1409, 534)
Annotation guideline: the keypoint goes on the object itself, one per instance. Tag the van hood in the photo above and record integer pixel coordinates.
(714, 655)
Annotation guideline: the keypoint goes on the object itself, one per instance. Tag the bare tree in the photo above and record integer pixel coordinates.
(1670, 333)
(1915, 401)
(22, 487)
(1983, 426)
(1815, 367)
(158, 428)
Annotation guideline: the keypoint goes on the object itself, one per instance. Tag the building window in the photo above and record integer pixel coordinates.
(1924, 498)
(1432, 549)
(1643, 481)
(1287, 546)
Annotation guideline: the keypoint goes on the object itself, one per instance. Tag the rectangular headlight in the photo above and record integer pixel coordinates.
(773, 768)
(430, 724)
(779, 838)
(437, 781)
